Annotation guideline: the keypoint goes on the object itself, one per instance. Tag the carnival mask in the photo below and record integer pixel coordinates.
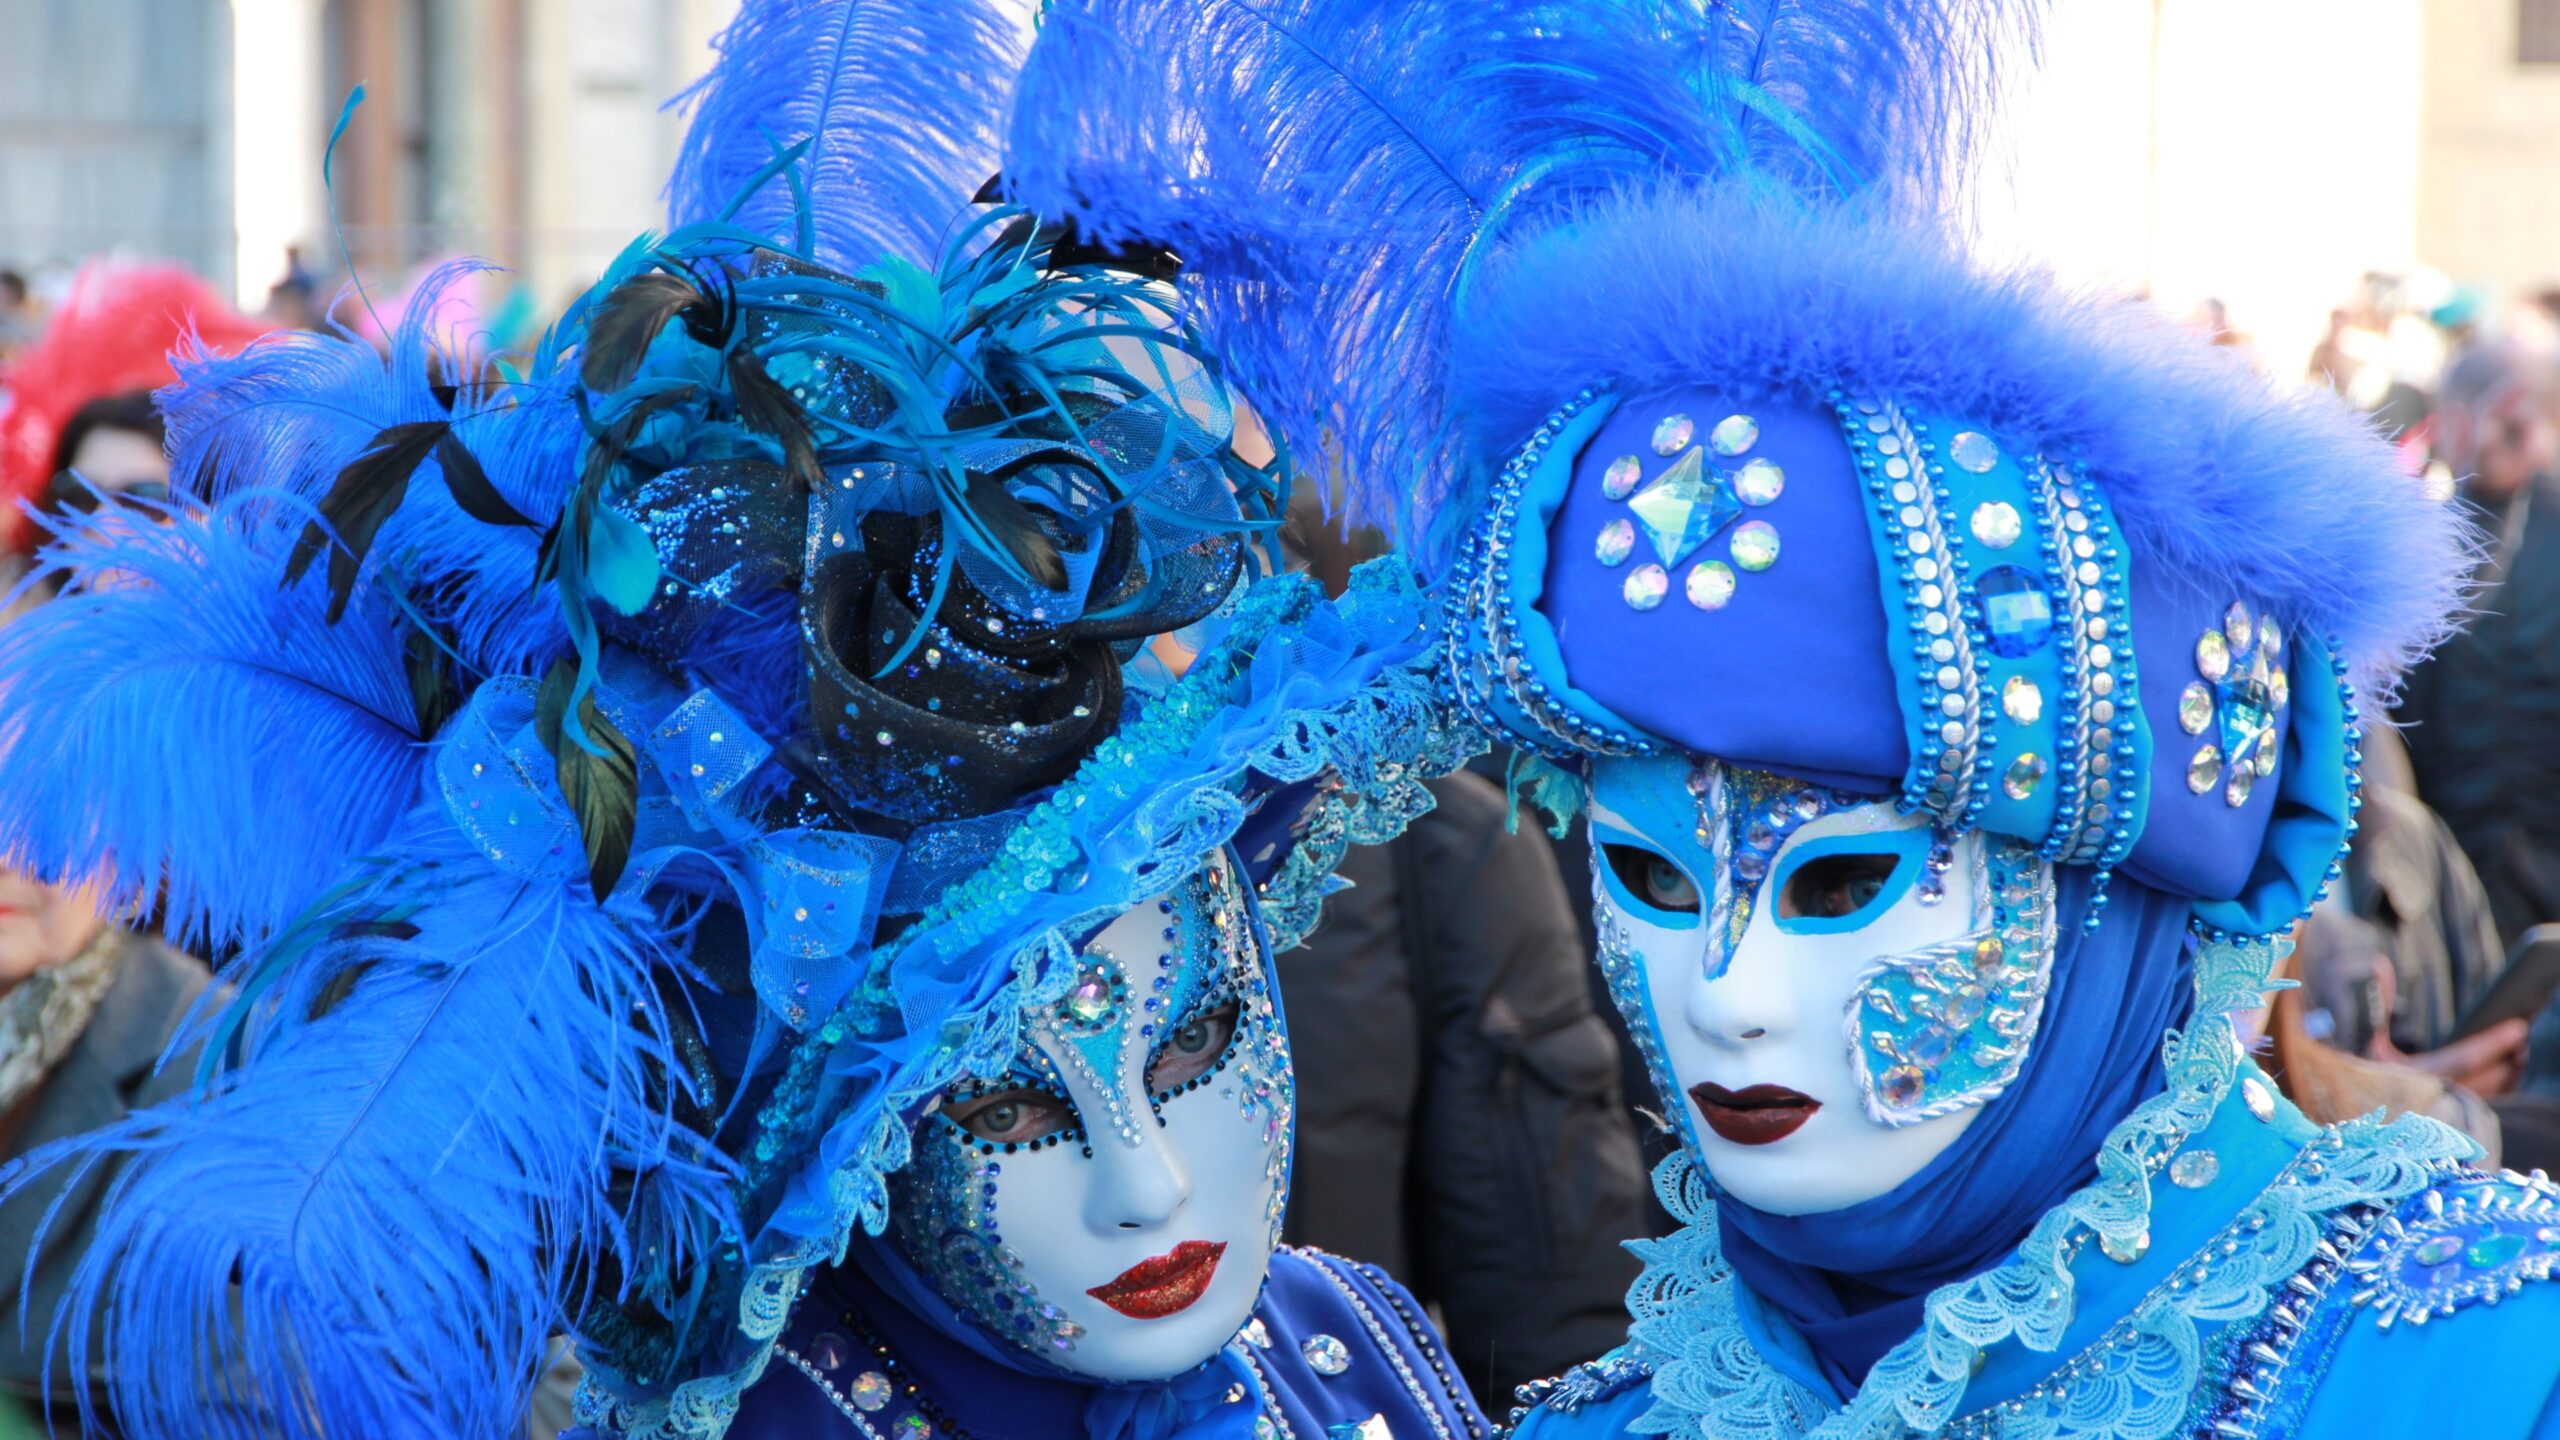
(1832, 988)
(1111, 1202)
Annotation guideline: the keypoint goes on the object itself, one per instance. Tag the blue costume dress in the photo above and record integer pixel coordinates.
(1756, 499)
(651, 780)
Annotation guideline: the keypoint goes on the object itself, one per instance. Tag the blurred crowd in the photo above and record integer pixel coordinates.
(1479, 1126)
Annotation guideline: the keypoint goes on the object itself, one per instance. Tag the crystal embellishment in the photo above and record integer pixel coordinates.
(1996, 524)
(2194, 1169)
(1646, 585)
(1973, 450)
(1733, 435)
(1326, 1355)
(1755, 545)
(1671, 436)
(1759, 482)
(1684, 508)
(1621, 478)
(1710, 584)
(2205, 770)
(2195, 708)
(1617, 542)
(2021, 700)
(2016, 611)
(2024, 772)
(869, 1392)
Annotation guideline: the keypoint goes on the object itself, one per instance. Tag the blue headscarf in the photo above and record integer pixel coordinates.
(2116, 991)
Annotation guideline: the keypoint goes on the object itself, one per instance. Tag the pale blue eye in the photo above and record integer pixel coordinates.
(1651, 878)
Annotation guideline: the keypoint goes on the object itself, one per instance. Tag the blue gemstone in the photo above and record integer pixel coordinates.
(2016, 610)
(1684, 508)
(2244, 703)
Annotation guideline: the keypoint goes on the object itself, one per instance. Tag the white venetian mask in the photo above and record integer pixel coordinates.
(1111, 1203)
(1826, 990)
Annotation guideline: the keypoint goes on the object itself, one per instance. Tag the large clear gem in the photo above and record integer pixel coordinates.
(1326, 1355)
(1684, 508)
(2015, 610)
(2244, 704)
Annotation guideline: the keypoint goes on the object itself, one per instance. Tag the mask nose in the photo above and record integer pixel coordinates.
(1744, 1002)
(1138, 1186)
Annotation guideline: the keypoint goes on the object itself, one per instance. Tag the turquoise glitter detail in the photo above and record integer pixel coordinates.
(1948, 1027)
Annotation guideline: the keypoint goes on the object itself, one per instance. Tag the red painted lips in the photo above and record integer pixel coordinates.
(1165, 1285)
(1759, 1115)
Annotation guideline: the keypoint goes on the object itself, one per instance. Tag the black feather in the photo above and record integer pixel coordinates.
(1006, 522)
(603, 789)
(768, 409)
(431, 684)
(471, 486)
(622, 329)
(365, 494)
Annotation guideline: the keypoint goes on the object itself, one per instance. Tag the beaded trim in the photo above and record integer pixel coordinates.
(1326, 1263)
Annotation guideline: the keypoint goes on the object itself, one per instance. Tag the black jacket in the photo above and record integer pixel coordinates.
(1460, 1120)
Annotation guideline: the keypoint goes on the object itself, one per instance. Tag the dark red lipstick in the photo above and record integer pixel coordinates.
(1165, 1285)
(1759, 1115)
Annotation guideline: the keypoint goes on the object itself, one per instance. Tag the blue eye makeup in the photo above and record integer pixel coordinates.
(1839, 883)
(1646, 883)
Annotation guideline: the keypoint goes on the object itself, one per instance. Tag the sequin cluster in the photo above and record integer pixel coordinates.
(2238, 706)
(1947, 1027)
(1687, 505)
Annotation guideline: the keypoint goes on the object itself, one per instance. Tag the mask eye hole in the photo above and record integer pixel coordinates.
(1840, 886)
(1192, 1049)
(1012, 1117)
(1651, 878)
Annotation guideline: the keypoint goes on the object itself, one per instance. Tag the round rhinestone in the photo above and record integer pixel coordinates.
(1734, 434)
(1090, 1001)
(829, 1351)
(2205, 770)
(2263, 758)
(2243, 777)
(1996, 524)
(1710, 584)
(2279, 690)
(2213, 657)
(1621, 478)
(2021, 701)
(1755, 545)
(2195, 708)
(2269, 638)
(2260, 1100)
(2194, 1169)
(2237, 626)
(869, 1391)
(1672, 435)
(1326, 1355)
(2127, 1251)
(1759, 481)
(1901, 1085)
(2024, 772)
(914, 1427)
(1617, 542)
(1973, 450)
(1646, 585)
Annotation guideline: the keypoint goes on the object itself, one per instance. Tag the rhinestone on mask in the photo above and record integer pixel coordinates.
(1671, 435)
(1617, 542)
(1646, 585)
(1996, 524)
(1684, 508)
(1710, 584)
(1733, 435)
(1621, 478)
(1326, 1355)
(1972, 450)
(1759, 482)
(1755, 545)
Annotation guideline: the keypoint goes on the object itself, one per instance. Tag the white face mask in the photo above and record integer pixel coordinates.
(1111, 1203)
(1826, 992)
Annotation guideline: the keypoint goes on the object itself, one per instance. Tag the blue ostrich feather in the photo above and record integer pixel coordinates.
(450, 1104)
(897, 102)
(174, 720)
(1335, 172)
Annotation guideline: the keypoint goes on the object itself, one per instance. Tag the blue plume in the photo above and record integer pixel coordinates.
(898, 102)
(453, 1100)
(1334, 172)
(172, 647)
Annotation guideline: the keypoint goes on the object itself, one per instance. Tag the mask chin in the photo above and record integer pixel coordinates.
(1110, 1203)
(1852, 991)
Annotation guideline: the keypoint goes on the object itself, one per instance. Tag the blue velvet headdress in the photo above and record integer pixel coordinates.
(639, 775)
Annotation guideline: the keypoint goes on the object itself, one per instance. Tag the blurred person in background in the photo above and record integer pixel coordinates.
(1461, 1121)
(18, 322)
(2480, 716)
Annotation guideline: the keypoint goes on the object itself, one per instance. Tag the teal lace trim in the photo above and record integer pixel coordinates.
(1298, 688)
(1711, 1383)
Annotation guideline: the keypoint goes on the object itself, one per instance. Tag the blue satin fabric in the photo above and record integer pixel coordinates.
(2096, 1055)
